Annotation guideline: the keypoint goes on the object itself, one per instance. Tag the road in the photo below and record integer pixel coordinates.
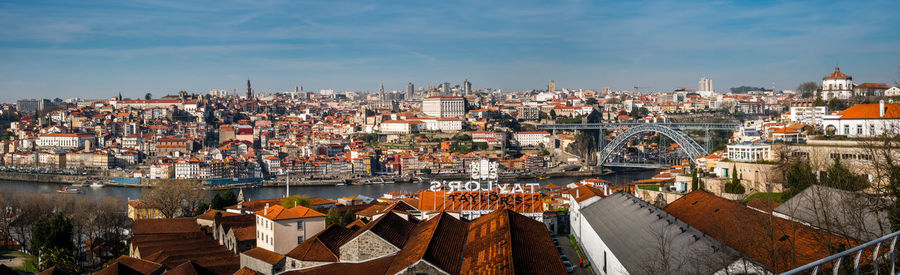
(570, 252)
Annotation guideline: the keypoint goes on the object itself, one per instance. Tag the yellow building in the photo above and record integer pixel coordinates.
(138, 209)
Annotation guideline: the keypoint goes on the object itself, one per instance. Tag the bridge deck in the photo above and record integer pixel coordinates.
(679, 126)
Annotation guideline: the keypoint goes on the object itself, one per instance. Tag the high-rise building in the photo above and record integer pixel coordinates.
(32, 105)
(467, 87)
(410, 89)
(551, 86)
(705, 87)
(249, 90)
(445, 88)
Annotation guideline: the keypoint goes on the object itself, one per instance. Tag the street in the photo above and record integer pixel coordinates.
(570, 252)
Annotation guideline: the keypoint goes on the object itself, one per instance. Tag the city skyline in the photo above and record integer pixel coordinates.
(97, 49)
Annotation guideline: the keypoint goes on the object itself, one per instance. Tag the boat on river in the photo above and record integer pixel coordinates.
(69, 190)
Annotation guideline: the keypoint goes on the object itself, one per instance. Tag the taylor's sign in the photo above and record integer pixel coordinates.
(503, 188)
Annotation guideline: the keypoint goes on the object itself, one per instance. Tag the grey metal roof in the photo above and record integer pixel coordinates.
(638, 234)
(838, 211)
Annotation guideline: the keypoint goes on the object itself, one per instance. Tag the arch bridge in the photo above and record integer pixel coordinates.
(673, 131)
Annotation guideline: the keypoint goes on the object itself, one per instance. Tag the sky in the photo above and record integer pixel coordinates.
(97, 49)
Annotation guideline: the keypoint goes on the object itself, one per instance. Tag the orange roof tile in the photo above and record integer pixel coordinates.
(278, 212)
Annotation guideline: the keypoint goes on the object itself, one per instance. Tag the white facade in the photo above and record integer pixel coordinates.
(837, 85)
(864, 120)
(533, 138)
(705, 87)
(444, 106)
(401, 126)
(282, 235)
(750, 152)
(65, 140)
(893, 91)
(187, 170)
(808, 115)
(447, 124)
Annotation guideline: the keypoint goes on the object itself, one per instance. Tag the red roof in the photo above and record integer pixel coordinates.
(837, 74)
(278, 212)
(870, 111)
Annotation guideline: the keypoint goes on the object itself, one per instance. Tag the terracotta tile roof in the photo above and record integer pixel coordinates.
(584, 192)
(211, 214)
(118, 269)
(278, 212)
(227, 222)
(381, 208)
(255, 205)
(357, 224)
(785, 130)
(141, 266)
(479, 200)
(439, 241)
(376, 266)
(165, 226)
(777, 243)
(247, 271)
(191, 268)
(264, 255)
(763, 204)
(245, 233)
(505, 242)
(870, 111)
(322, 247)
(54, 271)
(390, 227)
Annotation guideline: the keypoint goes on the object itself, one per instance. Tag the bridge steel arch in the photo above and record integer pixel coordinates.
(690, 147)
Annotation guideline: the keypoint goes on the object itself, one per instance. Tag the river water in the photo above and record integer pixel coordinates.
(373, 191)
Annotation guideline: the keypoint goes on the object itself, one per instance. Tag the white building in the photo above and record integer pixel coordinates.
(808, 115)
(864, 120)
(893, 91)
(837, 85)
(750, 151)
(280, 229)
(401, 126)
(533, 138)
(443, 124)
(444, 106)
(705, 87)
(187, 169)
(65, 140)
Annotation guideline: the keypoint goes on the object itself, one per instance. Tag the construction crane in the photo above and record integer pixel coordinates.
(637, 89)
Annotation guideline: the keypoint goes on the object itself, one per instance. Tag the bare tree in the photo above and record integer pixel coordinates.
(174, 197)
(808, 89)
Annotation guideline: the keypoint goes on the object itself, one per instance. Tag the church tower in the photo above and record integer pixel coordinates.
(249, 90)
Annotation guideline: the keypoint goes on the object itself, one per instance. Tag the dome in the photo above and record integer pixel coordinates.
(837, 74)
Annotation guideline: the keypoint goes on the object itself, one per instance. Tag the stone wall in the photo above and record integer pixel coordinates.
(260, 266)
(366, 246)
(422, 267)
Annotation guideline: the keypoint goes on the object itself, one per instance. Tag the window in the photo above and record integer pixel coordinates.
(299, 239)
(859, 129)
(300, 226)
(846, 129)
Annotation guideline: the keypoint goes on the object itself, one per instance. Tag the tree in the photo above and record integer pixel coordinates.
(59, 258)
(174, 198)
(583, 146)
(553, 114)
(53, 233)
(148, 96)
(842, 178)
(807, 89)
(426, 171)
(334, 217)
(591, 101)
(695, 180)
(296, 200)
(225, 200)
(462, 137)
(734, 187)
(798, 176)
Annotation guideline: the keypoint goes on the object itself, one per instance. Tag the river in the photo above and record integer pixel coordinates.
(374, 190)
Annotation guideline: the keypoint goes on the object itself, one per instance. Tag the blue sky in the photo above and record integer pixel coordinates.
(94, 49)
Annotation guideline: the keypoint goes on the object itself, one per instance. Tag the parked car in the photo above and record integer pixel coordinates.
(569, 266)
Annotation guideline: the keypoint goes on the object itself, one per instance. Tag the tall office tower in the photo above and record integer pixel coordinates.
(445, 88)
(409, 90)
(552, 86)
(249, 90)
(705, 87)
(381, 91)
(467, 87)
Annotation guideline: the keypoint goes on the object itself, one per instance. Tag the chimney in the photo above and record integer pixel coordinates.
(576, 194)
(881, 108)
(240, 205)
(266, 211)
